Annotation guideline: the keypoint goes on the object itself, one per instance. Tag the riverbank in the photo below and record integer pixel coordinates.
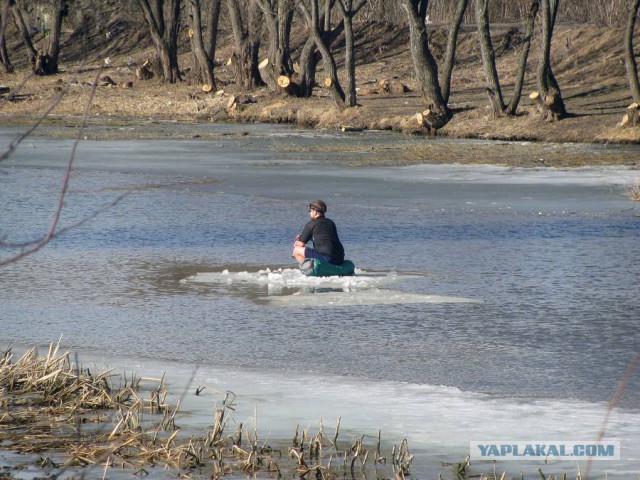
(588, 63)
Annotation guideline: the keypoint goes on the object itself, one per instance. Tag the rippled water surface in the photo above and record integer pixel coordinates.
(551, 258)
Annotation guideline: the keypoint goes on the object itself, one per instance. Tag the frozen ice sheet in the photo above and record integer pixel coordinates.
(291, 277)
(375, 296)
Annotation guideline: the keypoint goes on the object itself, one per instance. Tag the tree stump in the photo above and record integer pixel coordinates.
(431, 121)
(206, 88)
(268, 75)
(632, 118)
(288, 86)
(549, 106)
(44, 65)
(144, 71)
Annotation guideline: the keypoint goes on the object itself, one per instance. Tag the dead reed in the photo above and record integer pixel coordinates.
(81, 420)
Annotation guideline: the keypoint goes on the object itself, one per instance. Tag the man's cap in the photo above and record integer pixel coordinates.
(318, 206)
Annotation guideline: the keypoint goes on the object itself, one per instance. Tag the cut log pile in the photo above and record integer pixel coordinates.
(632, 117)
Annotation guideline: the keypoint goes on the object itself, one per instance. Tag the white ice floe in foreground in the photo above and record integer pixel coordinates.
(363, 288)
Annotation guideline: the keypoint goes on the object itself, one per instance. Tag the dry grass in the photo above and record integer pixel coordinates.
(633, 191)
(51, 406)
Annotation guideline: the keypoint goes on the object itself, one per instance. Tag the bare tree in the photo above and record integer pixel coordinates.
(630, 60)
(489, 58)
(163, 20)
(21, 25)
(203, 63)
(452, 41)
(246, 21)
(524, 55)
(349, 11)
(313, 23)
(550, 97)
(426, 68)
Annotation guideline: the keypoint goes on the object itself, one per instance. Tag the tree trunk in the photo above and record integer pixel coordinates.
(331, 80)
(349, 52)
(425, 66)
(247, 43)
(286, 9)
(4, 55)
(204, 64)
(489, 58)
(348, 13)
(212, 27)
(16, 12)
(49, 61)
(164, 33)
(553, 107)
(630, 60)
(279, 16)
(524, 55)
(450, 54)
(309, 58)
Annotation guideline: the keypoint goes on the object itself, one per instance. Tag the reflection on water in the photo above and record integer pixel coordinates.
(554, 258)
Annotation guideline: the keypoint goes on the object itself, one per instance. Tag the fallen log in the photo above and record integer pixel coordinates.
(351, 128)
(236, 100)
(107, 81)
(368, 91)
(391, 87)
(397, 88)
(126, 84)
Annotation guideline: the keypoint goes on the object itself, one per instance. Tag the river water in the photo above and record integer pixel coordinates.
(492, 303)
